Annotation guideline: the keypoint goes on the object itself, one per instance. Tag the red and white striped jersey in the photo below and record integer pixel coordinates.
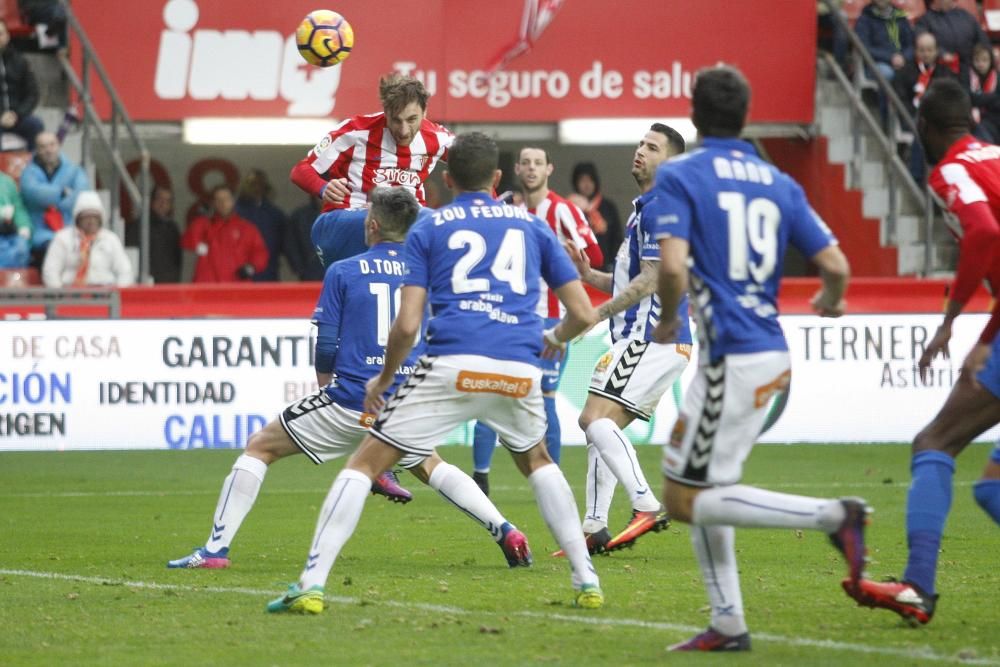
(569, 223)
(362, 150)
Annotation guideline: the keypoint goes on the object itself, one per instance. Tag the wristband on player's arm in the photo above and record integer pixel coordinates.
(550, 336)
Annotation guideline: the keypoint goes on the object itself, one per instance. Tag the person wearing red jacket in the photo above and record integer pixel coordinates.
(228, 247)
(967, 178)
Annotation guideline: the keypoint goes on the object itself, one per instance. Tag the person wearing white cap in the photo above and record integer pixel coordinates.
(87, 253)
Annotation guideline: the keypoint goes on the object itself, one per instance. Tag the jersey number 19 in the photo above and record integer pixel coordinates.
(753, 227)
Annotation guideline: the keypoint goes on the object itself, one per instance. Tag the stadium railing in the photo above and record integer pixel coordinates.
(899, 119)
(54, 300)
(108, 136)
(297, 300)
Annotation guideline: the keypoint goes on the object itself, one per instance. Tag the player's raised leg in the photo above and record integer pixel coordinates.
(462, 491)
(239, 492)
(702, 464)
(627, 385)
(971, 408)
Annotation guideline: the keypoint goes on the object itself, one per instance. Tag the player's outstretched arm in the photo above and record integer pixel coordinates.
(834, 271)
(672, 285)
(638, 289)
(402, 337)
(580, 316)
(588, 274)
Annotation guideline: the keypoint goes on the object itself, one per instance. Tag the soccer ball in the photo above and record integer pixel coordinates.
(324, 38)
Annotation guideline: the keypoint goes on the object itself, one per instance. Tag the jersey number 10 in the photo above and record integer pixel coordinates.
(753, 227)
(386, 310)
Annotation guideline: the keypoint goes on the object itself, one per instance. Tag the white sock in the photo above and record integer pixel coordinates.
(600, 490)
(618, 452)
(458, 489)
(716, 553)
(748, 506)
(558, 508)
(337, 521)
(239, 491)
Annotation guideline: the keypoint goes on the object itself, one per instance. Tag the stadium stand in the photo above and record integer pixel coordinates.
(915, 8)
(10, 12)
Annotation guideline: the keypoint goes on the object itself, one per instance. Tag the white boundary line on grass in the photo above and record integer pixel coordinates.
(923, 653)
(214, 492)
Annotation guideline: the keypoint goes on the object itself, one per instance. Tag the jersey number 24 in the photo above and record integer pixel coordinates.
(507, 266)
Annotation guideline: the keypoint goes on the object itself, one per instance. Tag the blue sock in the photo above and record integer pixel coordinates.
(553, 433)
(484, 441)
(927, 506)
(987, 494)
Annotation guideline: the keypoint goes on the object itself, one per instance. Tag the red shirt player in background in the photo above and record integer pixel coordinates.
(396, 147)
(967, 177)
(533, 170)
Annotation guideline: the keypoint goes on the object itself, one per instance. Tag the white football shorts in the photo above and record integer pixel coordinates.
(324, 430)
(637, 373)
(724, 411)
(449, 390)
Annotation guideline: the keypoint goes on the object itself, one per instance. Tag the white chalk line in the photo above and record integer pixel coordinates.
(922, 653)
(300, 491)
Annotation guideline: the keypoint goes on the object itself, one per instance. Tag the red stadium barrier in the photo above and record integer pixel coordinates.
(296, 300)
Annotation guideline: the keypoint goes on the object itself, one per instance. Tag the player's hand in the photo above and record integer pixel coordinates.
(374, 390)
(975, 361)
(938, 345)
(666, 331)
(8, 119)
(579, 259)
(552, 348)
(822, 307)
(579, 201)
(336, 191)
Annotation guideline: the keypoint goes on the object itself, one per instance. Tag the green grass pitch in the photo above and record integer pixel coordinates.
(84, 538)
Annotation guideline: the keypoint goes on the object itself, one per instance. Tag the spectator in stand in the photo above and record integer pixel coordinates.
(985, 98)
(18, 92)
(49, 186)
(299, 248)
(164, 237)
(956, 30)
(15, 226)
(912, 82)
(602, 214)
(87, 253)
(831, 36)
(51, 14)
(228, 247)
(886, 33)
(254, 204)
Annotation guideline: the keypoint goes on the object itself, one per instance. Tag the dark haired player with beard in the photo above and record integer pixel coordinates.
(731, 215)
(630, 379)
(967, 177)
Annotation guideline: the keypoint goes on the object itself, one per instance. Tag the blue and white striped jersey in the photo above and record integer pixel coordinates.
(638, 322)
